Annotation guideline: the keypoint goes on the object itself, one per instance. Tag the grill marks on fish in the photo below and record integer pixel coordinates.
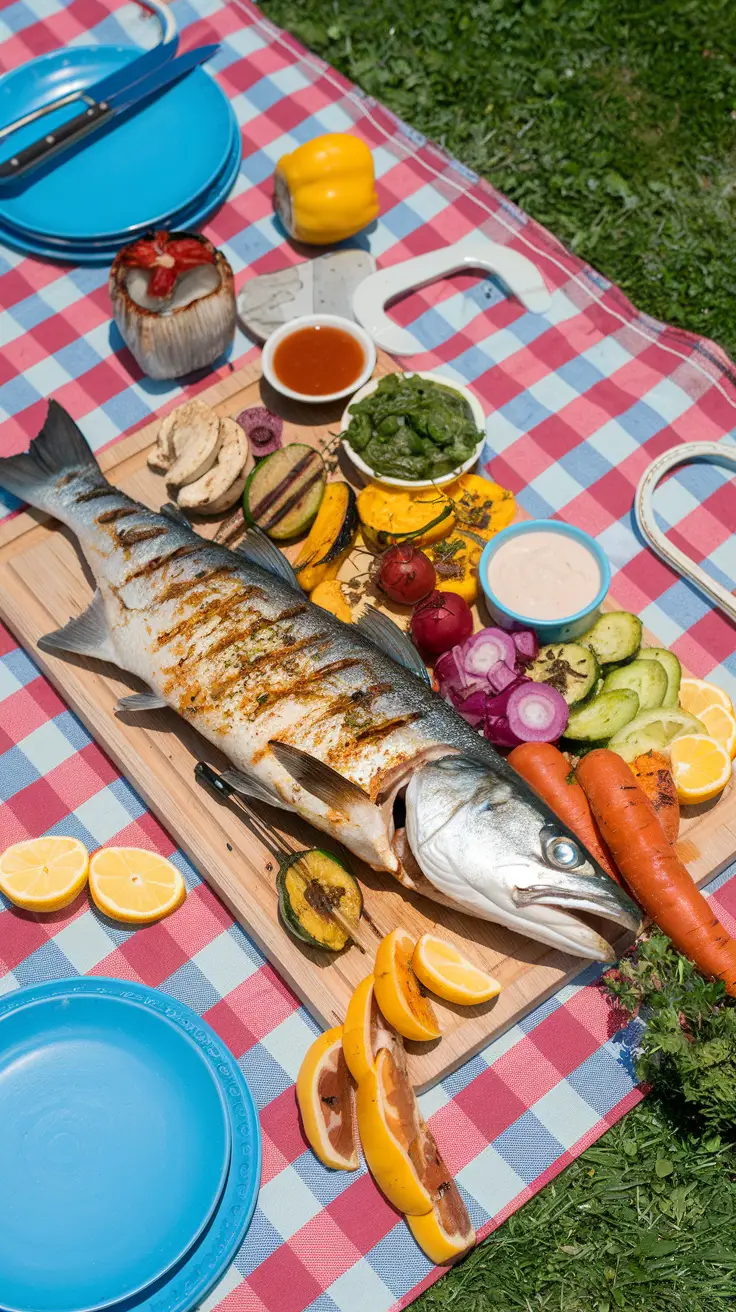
(303, 686)
(112, 516)
(206, 610)
(182, 588)
(90, 493)
(152, 566)
(130, 537)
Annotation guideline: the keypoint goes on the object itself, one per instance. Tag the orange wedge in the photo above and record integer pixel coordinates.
(134, 885)
(697, 694)
(326, 1096)
(44, 874)
(721, 725)
(446, 1232)
(439, 966)
(701, 767)
(398, 993)
(389, 1123)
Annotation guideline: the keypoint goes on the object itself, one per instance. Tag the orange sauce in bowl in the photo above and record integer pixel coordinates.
(318, 360)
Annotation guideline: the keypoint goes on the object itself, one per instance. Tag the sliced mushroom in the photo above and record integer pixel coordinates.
(175, 432)
(221, 486)
(197, 442)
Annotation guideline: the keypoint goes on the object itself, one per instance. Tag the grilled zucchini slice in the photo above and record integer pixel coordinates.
(615, 636)
(307, 883)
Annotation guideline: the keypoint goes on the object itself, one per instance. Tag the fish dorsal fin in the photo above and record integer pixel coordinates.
(243, 783)
(384, 633)
(87, 635)
(319, 779)
(141, 701)
(174, 512)
(261, 551)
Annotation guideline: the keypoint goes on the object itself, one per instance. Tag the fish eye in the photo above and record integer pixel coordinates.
(561, 852)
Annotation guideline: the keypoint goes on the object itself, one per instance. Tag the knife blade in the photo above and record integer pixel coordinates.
(131, 72)
(103, 111)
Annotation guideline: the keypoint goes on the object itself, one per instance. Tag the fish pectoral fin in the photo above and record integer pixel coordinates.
(141, 701)
(87, 635)
(249, 787)
(260, 550)
(319, 779)
(392, 641)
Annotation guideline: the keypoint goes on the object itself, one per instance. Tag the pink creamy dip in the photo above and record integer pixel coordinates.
(544, 575)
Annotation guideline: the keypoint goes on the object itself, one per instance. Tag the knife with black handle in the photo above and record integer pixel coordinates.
(100, 112)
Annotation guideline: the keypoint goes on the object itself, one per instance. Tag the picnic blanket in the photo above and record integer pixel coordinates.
(578, 402)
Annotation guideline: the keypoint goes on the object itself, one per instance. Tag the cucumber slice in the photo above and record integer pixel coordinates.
(646, 678)
(653, 731)
(615, 636)
(568, 667)
(672, 669)
(283, 493)
(603, 715)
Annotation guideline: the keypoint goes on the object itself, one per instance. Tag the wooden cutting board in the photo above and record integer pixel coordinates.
(44, 581)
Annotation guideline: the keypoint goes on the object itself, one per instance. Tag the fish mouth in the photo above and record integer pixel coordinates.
(610, 904)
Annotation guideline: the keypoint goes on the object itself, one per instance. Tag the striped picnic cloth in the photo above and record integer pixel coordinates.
(578, 402)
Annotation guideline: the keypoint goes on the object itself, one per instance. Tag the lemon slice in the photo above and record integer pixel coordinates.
(697, 694)
(134, 885)
(440, 967)
(397, 989)
(701, 767)
(326, 1096)
(721, 725)
(44, 874)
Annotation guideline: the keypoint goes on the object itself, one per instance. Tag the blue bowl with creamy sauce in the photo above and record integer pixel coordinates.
(546, 576)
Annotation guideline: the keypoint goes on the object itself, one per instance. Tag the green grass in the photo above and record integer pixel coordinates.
(613, 122)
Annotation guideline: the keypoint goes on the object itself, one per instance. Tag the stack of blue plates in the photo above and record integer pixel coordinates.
(167, 166)
(130, 1151)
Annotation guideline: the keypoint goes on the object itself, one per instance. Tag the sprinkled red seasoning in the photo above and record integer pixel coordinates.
(168, 255)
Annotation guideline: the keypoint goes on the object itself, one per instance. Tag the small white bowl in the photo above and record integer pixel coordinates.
(383, 479)
(318, 321)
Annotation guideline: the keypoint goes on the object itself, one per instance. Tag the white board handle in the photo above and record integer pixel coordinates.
(521, 277)
(718, 453)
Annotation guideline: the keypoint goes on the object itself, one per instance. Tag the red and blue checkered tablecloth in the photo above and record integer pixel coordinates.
(578, 401)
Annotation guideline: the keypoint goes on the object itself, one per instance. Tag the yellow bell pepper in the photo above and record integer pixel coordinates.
(325, 190)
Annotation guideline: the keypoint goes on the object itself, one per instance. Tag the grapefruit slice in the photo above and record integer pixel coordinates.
(326, 1096)
(389, 1125)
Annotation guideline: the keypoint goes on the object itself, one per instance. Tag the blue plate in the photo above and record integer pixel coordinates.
(92, 253)
(131, 175)
(115, 1144)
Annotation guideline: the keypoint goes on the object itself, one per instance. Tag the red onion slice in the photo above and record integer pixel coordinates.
(501, 677)
(527, 645)
(536, 712)
(485, 649)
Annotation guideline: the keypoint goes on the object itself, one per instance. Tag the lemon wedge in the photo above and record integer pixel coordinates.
(439, 966)
(134, 885)
(701, 767)
(721, 724)
(44, 874)
(697, 694)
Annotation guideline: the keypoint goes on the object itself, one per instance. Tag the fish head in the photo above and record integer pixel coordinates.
(486, 842)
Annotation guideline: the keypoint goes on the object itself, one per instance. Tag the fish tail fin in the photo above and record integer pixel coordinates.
(59, 449)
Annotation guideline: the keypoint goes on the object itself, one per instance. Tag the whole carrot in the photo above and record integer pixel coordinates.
(548, 772)
(652, 869)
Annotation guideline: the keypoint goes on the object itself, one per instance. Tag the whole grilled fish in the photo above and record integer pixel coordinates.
(319, 717)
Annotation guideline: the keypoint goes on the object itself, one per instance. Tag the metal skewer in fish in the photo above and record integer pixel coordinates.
(282, 849)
